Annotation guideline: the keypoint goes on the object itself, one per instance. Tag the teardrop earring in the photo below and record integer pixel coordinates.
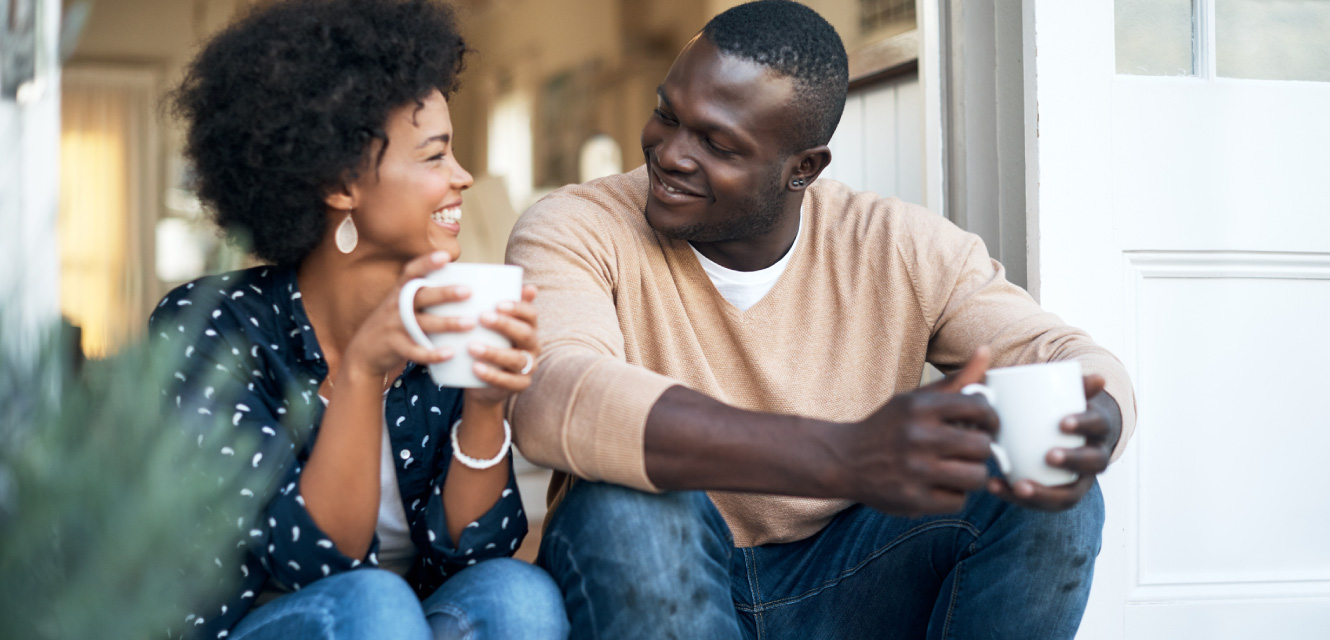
(347, 236)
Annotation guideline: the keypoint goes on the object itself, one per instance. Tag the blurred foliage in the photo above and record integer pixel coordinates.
(109, 514)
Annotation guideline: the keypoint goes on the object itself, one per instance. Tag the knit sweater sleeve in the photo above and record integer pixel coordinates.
(586, 410)
(969, 302)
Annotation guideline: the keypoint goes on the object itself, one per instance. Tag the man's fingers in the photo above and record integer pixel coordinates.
(949, 441)
(1033, 495)
(1090, 425)
(968, 410)
(955, 475)
(1082, 460)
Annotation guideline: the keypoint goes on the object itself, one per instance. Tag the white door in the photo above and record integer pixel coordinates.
(1178, 173)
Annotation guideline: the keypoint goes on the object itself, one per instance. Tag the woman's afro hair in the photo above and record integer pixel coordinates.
(283, 105)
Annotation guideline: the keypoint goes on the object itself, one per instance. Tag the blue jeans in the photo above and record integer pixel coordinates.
(503, 598)
(636, 565)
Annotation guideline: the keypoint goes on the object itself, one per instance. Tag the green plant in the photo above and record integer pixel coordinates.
(110, 514)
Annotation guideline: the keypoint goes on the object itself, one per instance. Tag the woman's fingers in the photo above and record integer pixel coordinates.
(431, 296)
(430, 323)
(521, 333)
(514, 360)
(500, 378)
(408, 349)
(524, 311)
(421, 266)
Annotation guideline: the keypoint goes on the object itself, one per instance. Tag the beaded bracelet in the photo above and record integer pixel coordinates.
(482, 464)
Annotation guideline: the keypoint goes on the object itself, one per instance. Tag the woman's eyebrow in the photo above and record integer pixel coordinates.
(444, 138)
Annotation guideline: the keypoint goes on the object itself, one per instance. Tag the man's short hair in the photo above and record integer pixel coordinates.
(795, 42)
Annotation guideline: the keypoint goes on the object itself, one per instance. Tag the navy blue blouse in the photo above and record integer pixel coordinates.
(250, 328)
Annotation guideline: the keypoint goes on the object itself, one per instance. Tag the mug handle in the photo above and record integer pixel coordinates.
(406, 307)
(1003, 461)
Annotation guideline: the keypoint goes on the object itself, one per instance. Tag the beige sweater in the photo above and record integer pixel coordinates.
(875, 288)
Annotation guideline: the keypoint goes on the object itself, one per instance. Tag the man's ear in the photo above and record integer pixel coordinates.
(810, 163)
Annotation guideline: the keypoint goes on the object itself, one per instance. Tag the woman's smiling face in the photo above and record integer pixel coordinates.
(409, 201)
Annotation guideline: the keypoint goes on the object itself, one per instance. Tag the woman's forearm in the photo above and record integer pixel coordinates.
(469, 493)
(340, 483)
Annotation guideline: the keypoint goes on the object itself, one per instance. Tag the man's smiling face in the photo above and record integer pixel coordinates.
(716, 147)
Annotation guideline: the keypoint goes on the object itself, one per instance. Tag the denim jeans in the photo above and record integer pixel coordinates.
(637, 565)
(503, 598)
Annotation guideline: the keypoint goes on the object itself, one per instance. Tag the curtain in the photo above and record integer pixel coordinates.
(108, 203)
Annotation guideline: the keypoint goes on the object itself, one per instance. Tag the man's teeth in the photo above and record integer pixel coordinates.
(451, 215)
(672, 189)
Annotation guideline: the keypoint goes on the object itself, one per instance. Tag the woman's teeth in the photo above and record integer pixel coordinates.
(451, 215)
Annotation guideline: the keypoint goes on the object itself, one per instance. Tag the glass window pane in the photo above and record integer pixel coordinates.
(1154, 37)
(1273, 39)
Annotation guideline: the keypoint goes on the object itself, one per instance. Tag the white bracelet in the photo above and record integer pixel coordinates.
(482, 464)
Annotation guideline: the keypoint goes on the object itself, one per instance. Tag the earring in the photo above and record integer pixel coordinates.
(347, 237)
(797, 182)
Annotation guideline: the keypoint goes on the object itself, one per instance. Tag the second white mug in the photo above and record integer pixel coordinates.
(1031, 401)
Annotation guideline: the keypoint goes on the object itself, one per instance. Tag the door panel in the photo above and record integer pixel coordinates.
(1221, 164)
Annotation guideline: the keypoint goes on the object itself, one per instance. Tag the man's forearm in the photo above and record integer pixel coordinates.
(695, 442)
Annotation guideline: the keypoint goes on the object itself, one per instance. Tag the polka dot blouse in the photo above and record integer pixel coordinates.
(250, 328)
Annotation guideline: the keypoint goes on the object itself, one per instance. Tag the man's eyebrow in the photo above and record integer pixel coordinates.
(701, 126)
(444, 138)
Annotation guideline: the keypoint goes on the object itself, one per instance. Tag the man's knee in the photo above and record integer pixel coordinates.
(1066, 542)
(634, 564)
(608, 527)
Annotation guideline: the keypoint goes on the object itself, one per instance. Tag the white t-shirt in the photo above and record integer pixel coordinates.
(396, 550)
(743, 289)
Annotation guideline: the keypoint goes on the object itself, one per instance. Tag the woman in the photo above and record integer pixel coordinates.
(320, 132)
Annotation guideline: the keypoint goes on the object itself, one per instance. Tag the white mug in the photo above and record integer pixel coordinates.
(490, 284)
(1031, 401)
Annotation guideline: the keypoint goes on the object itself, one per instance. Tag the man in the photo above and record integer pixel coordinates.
(718, 321)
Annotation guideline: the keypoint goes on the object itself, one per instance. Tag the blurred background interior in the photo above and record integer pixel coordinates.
(556, 93)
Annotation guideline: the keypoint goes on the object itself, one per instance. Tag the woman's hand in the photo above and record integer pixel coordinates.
(507, 371)
(381, 344)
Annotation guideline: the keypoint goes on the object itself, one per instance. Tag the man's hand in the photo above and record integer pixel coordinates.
(1101, 425)
(922, 451)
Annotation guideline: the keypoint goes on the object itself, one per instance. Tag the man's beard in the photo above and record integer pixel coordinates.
(748, 218)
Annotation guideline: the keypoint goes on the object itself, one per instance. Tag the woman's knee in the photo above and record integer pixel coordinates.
(374, 600)
(355, 605)
(501, 598)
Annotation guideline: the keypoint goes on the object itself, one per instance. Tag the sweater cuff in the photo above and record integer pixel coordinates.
(606, 435)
